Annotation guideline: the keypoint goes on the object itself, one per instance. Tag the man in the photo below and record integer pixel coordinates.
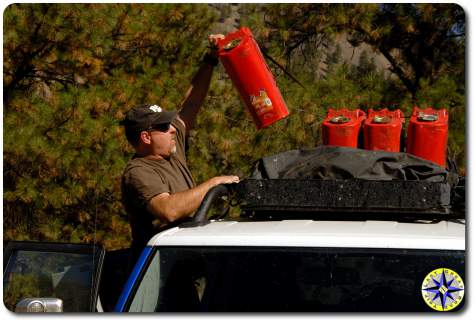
(157, 186)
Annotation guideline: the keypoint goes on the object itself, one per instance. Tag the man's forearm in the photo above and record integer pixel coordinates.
(170, 207)
(196, 95)
(183, 204)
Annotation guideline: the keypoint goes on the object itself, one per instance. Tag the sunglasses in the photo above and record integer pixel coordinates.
(164, 127)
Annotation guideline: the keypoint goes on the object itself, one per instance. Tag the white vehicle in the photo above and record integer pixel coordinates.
(270, 262)
(297, 246)
(294, 265)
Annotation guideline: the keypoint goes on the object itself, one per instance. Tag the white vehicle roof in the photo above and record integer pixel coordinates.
(309, 233)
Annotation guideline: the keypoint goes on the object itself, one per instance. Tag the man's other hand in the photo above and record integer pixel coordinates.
(225, 180)
(213, 39)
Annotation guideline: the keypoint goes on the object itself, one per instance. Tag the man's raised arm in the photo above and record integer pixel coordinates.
(199, 87)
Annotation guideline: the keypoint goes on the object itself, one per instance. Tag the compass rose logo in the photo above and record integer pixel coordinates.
(442, 289)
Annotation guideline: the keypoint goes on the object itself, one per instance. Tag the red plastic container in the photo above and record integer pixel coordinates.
(427, 134)
(341, 127)
(246, 67)
(382, 130)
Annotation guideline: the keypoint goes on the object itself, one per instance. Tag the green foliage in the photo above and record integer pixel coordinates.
(71, 71)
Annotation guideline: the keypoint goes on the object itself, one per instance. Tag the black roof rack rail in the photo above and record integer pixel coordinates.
(200, 217)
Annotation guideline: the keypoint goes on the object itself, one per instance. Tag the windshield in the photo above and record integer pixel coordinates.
(249, 279)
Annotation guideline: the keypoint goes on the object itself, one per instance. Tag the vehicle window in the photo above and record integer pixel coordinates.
(232, 279)
(66, 276)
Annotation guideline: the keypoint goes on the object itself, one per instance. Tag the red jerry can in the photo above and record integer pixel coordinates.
(382, 130)
(341, 127)
(427, 134)
(246, 67)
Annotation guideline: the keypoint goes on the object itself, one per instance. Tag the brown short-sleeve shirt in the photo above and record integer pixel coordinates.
(145, 178)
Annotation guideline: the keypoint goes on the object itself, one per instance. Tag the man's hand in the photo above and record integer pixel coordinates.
(213, 41)
(225, 180)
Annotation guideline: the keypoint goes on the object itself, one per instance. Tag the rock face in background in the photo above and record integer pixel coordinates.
(352, 55)
(229, 16)
(230, 20)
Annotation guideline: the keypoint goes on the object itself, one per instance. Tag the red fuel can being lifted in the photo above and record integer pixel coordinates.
(427, 134)
(341, 127)
(246, 67)
(382, 130)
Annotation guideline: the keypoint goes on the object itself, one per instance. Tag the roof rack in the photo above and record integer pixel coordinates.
(345, 195)
(337, 198)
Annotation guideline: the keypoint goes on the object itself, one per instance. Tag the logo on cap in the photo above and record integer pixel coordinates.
(155, 108)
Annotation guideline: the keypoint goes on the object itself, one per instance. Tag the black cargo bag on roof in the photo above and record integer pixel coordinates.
(342, 163)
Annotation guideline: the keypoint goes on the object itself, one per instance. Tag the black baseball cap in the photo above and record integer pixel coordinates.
(144, 117)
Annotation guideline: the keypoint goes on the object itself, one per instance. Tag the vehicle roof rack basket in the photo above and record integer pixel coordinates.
(338, 199)
(345, 195)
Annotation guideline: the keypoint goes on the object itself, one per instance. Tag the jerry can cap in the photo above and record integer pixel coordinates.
(379, 119)
(427, 117)
(233, 43)
(340, 119)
